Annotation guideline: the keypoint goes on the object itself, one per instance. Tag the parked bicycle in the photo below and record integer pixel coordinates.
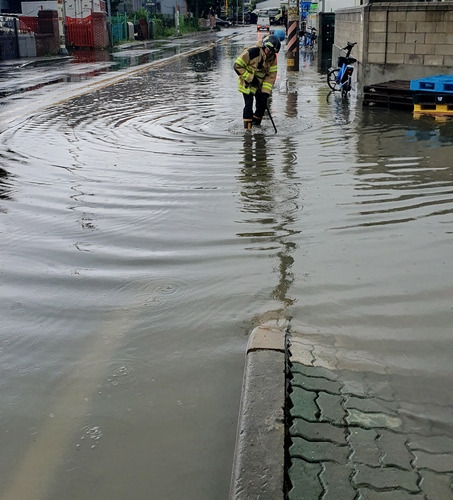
(308, 38)
(340, 79)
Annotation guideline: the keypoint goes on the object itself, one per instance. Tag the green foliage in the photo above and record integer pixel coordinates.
(138, 14)
(188, 25)
(202, 7)
(163, 27)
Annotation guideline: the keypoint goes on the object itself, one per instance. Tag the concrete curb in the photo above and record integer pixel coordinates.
(258, 467)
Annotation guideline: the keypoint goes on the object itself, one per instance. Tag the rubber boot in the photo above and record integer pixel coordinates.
(256, 121)
(248, 124)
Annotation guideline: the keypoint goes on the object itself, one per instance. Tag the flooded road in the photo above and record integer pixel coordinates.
(144, 234)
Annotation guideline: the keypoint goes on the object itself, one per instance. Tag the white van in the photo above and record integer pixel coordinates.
(262, 23)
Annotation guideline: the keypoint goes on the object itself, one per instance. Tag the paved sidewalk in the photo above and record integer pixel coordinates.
(349, 433)
(352, 437)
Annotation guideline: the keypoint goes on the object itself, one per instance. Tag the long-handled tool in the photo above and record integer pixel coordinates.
(268, 112)
(270, 116)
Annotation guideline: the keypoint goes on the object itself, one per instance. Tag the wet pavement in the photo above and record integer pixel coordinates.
(25, 74)
(356, 427)
(318, 422)
(352, 435)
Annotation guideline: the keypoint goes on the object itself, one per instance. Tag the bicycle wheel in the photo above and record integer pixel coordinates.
(332, 79)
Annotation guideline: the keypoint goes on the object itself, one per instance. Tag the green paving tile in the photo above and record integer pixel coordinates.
(385, 478)
(394, 450)
(305, 481)
(318, 431)
(318, 451)
(315, 384)
(371, 420)
(336, 481)
(313, 371)
(364, 447)
(331, 408)
(437, 486)
(303, 404)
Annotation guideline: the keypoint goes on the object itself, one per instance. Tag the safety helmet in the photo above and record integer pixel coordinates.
(280, 34)
(272, 42)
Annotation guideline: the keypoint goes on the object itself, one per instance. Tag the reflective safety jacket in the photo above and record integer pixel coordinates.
(254, 62)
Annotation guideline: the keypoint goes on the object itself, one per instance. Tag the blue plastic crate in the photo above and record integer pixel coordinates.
(438, 83)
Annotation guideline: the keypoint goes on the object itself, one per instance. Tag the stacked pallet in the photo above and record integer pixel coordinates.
(433, 95)
(394, 94)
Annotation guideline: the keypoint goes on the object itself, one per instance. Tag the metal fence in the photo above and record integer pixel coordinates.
(9, 38)
(119, 28)
(79, 31)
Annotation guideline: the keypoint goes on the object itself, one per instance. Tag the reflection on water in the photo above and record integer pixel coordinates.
(398, 184)
(84, 64)
(143, 234)
(273, 203)
(5, 185)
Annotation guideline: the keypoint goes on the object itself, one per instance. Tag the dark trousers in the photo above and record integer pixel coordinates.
(260, 106)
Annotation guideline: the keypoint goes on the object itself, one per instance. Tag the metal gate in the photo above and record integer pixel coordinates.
(79, 31)
(9, 41)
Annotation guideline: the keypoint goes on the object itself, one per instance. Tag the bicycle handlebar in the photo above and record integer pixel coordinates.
(349, 48)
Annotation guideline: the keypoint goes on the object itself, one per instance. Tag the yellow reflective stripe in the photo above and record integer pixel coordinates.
(246, 76)
(248, 72)
(272, 69)
(267, 86)
(240, 62)
(244, 90)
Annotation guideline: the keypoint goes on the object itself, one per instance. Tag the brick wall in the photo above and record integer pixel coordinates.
(398, 40)
(100, 32)
(47, 39)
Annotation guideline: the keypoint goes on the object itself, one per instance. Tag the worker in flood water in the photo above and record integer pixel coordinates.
(257, 70)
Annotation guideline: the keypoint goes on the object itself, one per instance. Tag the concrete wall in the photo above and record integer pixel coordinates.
(27, 45)
(349, 27)
(73, 8)
(398, 40)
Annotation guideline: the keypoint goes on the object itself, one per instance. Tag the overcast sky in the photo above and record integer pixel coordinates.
(330, 5)
(337, 4)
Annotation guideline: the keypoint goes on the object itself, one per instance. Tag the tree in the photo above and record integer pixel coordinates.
(201, 8)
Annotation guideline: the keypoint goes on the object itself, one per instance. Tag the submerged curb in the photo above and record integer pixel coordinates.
(258, 467)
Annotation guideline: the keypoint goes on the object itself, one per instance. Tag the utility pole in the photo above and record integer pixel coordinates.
(177, 19)
(109, 22)
(61, 19)
(292, 54)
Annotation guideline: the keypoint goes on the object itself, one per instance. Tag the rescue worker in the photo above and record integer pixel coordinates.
(257, 70)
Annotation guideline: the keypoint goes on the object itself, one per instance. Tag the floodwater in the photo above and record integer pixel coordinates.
(144, 234)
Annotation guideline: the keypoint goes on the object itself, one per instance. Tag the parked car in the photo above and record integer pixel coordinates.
(250, 17)
(262, 24)
(222, 22)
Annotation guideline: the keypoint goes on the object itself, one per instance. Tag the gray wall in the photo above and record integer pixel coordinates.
(397, 40)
